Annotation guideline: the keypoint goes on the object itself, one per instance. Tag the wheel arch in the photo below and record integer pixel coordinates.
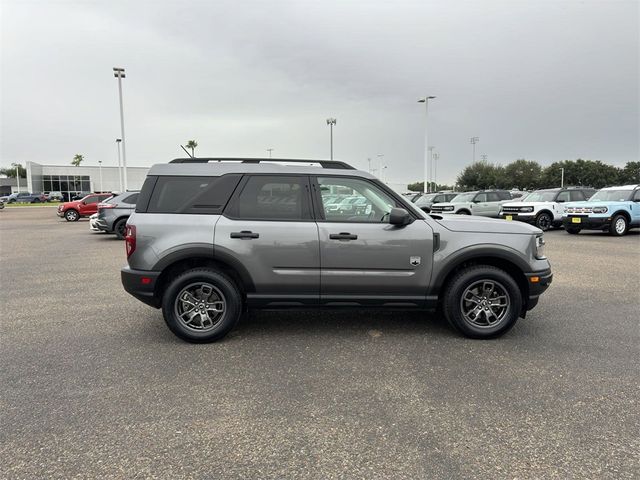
(626, 214)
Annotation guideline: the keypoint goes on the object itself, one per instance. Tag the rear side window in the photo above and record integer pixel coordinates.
(504, 196)
(493, 197)
(199, 195)
(563, 197)
(576, 196)
(131, 199)
(270, 197)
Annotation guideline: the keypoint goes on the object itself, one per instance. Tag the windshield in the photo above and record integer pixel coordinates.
(611, 196)
(425, 199)
(465, 197)
(541, 196)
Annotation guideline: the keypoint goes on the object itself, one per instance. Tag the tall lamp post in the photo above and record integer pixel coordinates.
(380, 156)
(473, 141)
(118, 141)
(331, 122)
(100, 170)
(561, 177)
(369, 160)
(436, 156)
(269, 150)
(431, 148)
(425, 100)
(119, 74)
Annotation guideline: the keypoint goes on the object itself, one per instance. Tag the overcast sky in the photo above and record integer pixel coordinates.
(542, 80)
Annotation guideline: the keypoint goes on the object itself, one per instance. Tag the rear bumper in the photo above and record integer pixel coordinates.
(586, 222)
(102, 225)
(141, 284)
(538, 283)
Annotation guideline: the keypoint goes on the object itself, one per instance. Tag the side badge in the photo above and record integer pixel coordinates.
(415, 261)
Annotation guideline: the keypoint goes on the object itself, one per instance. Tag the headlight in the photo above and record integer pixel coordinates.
(600, 210)
(539, 247)
(448, 209)
(526, 209)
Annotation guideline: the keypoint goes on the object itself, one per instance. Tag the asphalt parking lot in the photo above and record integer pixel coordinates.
(93, 384)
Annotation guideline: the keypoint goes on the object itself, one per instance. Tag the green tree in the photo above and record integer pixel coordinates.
(77, 160)
(523, 174)
(630, 173)
(11, 172)
(481, 175)
(588, 173)
(192, 144)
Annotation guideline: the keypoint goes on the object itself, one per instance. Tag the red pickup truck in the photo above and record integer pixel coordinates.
(72, 211)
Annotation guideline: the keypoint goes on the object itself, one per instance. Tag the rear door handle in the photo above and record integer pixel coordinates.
(343, 236)
(245, 235)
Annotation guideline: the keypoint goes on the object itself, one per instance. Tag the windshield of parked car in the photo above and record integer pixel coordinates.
(465, 197)
(424, 199)
(611, 196)
(542, 196)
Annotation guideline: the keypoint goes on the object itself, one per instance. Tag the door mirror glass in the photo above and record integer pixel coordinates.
(399, 217)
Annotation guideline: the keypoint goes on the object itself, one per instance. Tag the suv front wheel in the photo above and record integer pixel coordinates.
(201, 305)
(482, 302)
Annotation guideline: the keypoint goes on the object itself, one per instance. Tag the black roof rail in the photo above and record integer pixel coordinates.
(323, 163)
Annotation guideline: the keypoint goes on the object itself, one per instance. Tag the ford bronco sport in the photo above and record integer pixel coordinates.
(211, 238)
(485, 203)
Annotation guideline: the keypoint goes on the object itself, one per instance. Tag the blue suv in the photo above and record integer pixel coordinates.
(616, 209)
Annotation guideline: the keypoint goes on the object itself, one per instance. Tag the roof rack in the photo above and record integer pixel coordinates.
(323, 163)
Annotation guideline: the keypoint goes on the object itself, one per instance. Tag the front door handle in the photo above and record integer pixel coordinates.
(245, 235)
(343, 236)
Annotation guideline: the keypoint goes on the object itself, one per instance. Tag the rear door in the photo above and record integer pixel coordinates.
(89, 205)
(364, 259)
(268, 228)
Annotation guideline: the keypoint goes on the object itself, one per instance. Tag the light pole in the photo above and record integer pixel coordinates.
(118, 141)
(269, 150)
(119, 74)
(384, 174)
(425, 100)
(331, 122)
(430, 168)
(484, 157)
(561, 177)
(473, 141)
(17, 165)
(380, 156)
(369, 160)
(436, 156)
(100, 170)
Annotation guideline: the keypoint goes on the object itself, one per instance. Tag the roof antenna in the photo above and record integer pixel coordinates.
(186, 151)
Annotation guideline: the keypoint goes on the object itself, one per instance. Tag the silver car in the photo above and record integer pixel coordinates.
(211, 238)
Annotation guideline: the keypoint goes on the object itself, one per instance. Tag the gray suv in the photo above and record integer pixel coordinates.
(211, 238)
(114, 213)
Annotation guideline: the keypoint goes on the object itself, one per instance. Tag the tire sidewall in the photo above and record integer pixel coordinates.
(233, 306)
(68, 219)
(549, 223)
(120, 235)
(613, 230)
(471, 275)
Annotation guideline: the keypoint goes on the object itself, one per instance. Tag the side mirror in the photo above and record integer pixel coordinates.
(425, 209)
(399, 217)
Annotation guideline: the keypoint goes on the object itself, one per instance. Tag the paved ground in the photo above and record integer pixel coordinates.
(93, 384)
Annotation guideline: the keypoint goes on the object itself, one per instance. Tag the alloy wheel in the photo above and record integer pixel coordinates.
(621, 225)
(485, 303)
(200, 306)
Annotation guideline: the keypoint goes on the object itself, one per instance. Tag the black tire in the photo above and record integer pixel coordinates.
(481, 275)
(226, 289)
(120, 228)
(71, 215)
(544, 221)
(619, 225)
(36, 200)
(463, 212)
(572, 230)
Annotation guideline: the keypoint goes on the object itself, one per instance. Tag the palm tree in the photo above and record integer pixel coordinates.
(192, 144)
(77, 160)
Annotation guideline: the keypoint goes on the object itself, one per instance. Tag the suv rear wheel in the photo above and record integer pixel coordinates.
(482, 302)
(120, 228)
(201, 305)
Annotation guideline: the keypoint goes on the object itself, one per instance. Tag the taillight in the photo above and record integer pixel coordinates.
(106, 205)
(130, 240)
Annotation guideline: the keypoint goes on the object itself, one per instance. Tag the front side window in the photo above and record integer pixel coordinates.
(481, 197)
(636, 196)
(365, 201)
(563, 197)
(270, 197)
(611, 196)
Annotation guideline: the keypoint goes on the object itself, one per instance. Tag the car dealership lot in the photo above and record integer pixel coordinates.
(93, 383)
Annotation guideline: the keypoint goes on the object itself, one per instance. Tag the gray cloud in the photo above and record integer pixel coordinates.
(542, 80)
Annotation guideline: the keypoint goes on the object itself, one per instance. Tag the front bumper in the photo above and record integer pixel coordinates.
(538, 283)
(141, 284)
(60, 213)
(586, 222)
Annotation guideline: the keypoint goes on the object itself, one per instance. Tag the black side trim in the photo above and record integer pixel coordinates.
(132, 283)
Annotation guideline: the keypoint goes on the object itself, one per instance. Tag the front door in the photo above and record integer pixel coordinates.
(269, 230)
(365, 260)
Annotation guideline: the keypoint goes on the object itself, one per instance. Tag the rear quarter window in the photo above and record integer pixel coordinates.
(190, 194)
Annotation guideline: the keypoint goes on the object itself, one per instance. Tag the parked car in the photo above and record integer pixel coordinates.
(544, 208)
(26, 197)
(73, 211)
(114, 213)
(411, 196)
(612, 209)
(425, 201)
(208, 240)
(54, 196)
(1, 204)
(486, 203)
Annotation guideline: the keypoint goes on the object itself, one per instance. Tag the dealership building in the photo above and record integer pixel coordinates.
(72, 180)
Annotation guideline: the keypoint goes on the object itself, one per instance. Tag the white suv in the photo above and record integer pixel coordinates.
(543, 208)
(486, 203)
